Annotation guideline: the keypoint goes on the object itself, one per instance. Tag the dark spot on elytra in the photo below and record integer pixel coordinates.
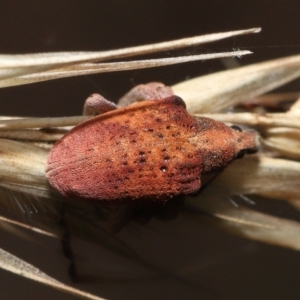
(176, 134)
(163, 169)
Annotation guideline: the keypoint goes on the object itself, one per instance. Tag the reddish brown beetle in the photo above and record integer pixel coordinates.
(150, 151)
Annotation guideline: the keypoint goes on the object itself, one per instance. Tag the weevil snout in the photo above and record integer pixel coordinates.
(248, 141)
(220, 144)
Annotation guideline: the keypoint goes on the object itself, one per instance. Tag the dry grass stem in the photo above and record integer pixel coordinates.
(15, 265)
(12, 66)
(271, 177)
(219, 91)
(283, 141)
(273, 99)
(250, 224)
(23, 168)
(87, 69)
(40, 122)
(31, 135)
(255, 119)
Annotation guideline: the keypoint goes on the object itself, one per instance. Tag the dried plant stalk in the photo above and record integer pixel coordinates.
(284, 141)
(15, 265)
(87, 69)
(12, 66)
(271, 177)
(249, 224)
(218, 91)
(254, 119)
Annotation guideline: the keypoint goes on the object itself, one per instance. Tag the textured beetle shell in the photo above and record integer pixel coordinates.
(140, 152)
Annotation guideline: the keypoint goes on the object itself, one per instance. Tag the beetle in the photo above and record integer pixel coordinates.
(148, 152)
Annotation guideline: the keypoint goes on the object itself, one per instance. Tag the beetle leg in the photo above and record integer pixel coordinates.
(149, 91)
(96, 105)
(143, 214)
(66, 245)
